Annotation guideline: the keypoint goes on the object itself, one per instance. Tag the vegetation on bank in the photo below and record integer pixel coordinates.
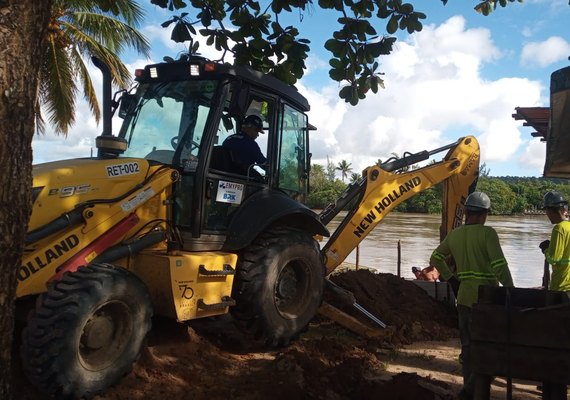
(509, 194)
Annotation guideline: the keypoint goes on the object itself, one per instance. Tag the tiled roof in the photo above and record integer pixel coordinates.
(536, 117)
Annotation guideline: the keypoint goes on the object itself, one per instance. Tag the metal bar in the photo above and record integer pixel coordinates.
(369, 315)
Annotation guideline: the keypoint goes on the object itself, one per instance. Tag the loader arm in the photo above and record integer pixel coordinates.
(382, 188)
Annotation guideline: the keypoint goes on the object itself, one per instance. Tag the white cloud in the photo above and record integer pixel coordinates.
(533, 156)
(545, 53)
(156, 33)
(434, 94)
(316, 64)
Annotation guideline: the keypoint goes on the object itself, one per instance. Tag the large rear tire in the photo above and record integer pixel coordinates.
(279, 285)
(86, 331)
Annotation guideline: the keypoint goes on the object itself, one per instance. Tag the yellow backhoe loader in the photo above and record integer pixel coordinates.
(159, 222)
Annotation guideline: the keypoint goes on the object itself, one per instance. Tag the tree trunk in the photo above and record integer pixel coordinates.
(23, 24)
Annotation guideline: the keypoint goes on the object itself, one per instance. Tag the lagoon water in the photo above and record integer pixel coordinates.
(418, 235)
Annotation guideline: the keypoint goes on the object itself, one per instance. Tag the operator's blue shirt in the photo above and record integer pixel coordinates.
(245, 150)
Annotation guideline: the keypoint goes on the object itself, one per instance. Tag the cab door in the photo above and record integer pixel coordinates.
(293, 153)
(227, 189)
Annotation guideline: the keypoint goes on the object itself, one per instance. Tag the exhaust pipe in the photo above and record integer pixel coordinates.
(107, 116)
(108, 146)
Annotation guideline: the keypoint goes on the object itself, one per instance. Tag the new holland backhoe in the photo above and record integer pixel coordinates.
(159, 222)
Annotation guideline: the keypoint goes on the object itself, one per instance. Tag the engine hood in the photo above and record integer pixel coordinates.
(60, 185)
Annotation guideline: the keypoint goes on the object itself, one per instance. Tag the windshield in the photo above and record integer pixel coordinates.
(168, 122)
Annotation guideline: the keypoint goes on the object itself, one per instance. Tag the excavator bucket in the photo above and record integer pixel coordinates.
(557, 163)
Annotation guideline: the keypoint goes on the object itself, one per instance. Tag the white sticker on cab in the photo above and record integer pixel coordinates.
(229, 192)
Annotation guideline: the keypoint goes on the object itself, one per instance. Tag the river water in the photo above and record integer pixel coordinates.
(418, 235)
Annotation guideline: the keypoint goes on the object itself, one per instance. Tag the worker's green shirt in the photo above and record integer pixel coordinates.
(558, 255)
(478, 257)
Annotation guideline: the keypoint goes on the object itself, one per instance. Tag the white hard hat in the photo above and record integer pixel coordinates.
(477, 201)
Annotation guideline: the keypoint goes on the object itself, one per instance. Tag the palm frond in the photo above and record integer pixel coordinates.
(88, 89)
(110, 32)
(58, 88)
(79, 30)
(127, 10)
(89, 47)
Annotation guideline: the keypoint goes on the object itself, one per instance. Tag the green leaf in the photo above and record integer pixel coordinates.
(407, 8)
(178, 4)
(160, 3)
(338, 5)
(383, 12)
(337, 74)
(345, 92)
(392, 25)
(335, 63)
(166, 24)
(180, 33)
(326, 4)
(353, 95)
(333, 45)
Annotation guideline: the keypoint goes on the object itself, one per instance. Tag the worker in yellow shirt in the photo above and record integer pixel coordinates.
(557, 249)
(479, 261)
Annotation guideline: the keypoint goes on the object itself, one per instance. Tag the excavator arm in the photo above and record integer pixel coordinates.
(383, 187)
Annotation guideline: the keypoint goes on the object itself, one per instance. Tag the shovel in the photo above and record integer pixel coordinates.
(348, 297)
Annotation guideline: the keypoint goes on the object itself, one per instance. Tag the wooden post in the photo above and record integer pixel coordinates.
(546, 275)
(357, 256)
(399, 259)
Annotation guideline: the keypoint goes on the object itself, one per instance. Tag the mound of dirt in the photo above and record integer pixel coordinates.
(405, 307)
(211, 359)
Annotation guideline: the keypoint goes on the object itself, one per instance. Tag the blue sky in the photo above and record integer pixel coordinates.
(464, 74)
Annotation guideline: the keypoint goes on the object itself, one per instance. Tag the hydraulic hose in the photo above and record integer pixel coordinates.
(68, 219)
(126, 249)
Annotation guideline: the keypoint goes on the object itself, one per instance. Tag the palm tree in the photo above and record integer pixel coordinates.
(354, 177)
(77, 30)
(344, 168)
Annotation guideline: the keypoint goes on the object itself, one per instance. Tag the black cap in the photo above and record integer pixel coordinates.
(253, 120)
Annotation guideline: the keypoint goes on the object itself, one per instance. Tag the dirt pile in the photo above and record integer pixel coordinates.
(406, 308)
(210, 359)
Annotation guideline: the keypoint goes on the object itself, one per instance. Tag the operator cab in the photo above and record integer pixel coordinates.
(180, 116)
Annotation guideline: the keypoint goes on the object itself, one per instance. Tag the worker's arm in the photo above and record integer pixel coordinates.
(499, 263)
(438, 257)
(257, 155)
(555, 251)
(438, 261)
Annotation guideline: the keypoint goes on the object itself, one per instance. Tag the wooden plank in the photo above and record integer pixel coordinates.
(349, 322)
(521, 362)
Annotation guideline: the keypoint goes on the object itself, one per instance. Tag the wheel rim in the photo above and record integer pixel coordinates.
(105, 335)
(291, 289)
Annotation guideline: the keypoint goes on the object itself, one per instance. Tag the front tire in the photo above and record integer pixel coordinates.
(279, 284)
(86, 331)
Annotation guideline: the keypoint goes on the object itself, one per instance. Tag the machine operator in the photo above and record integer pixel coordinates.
(242, 146)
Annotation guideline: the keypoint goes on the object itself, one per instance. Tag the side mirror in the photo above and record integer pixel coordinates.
(128, 102)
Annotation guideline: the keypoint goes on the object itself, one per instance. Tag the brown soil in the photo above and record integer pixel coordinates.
(210, 359)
